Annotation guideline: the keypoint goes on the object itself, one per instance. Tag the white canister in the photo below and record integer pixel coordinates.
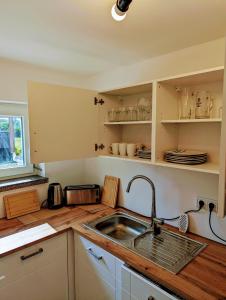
(122, 149)
(131, 149)
(115, 148)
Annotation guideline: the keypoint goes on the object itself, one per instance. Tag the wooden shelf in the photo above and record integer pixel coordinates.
(197, 78)
(128, 123)
(216, 120)
(210, 168)
(130, 90)
(126, 158)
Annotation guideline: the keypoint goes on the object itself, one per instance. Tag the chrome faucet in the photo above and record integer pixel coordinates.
(154, 220)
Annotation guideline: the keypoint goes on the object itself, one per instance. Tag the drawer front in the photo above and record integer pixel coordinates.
(32, 259)
(92, 257)
(143, 289)
(48, 283)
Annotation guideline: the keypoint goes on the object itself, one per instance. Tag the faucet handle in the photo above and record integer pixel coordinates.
(156, 229)
(158, 221)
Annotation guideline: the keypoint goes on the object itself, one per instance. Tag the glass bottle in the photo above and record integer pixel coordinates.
(185, 104)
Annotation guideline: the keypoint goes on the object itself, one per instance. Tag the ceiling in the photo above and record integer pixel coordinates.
(80, 35)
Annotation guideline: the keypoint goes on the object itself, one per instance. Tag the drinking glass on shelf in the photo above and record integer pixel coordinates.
(117, 115)
(140, 112)
(121, 114)
(203, 105)
(220, 112)
(185, 104)
(193, 99)
(126, 117)
(134, 113)
(111, 115)
(131, 113)
(147, 116)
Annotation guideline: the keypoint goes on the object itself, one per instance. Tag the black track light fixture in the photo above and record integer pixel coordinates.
(119, 9)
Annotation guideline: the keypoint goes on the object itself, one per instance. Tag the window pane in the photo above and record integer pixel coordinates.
(11, 142)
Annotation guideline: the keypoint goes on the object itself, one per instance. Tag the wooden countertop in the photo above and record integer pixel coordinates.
(203, 278)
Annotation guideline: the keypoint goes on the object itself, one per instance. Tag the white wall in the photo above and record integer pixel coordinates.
(203, 56)
(66, 172)
(14, 76)
(176, 191)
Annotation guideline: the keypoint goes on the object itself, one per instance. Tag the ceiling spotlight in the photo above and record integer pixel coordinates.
(119, 9)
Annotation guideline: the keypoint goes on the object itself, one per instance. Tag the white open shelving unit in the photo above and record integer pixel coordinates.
(165, 131)
(127, 123)
(132, 159)
(210, 168)
(216, 120)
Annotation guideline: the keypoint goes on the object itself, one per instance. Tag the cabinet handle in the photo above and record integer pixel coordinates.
(98, 257)
(24, 257)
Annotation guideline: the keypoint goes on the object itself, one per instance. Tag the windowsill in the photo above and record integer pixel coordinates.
(21, 182)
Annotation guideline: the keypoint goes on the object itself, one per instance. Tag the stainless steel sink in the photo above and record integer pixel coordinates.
(120, 227)
(168, 250)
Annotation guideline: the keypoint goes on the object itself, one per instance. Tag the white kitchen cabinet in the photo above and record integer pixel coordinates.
(141, 288)
(70, 123)
(38, 272)
(122, 282)
(66, 124)
(63, 122)
(131, 126)
(94, 271)
(101, 276)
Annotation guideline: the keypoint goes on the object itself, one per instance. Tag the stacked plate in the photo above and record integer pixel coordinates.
(146, 154)
(186, 157)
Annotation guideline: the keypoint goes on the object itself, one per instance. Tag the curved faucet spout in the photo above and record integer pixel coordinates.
(153, 207)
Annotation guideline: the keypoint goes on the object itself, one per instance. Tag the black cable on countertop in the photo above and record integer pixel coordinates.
(211, 207)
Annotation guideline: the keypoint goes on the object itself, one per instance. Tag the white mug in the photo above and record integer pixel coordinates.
(131, 149)
(122, 149)
(115, 148)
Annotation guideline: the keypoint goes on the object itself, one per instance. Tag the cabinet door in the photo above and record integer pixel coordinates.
(108, 134)
(48, 283)
(94, 271)
(144, 289)
(122, 282)
(63, 122)
(41, 276)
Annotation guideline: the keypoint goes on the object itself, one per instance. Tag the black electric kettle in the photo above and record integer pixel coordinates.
(55, 196)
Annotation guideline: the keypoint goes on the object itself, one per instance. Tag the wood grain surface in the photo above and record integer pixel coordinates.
(110, 191)
(202, 279)
(18, 204)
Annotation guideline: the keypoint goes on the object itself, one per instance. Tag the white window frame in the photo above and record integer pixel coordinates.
(16, 108)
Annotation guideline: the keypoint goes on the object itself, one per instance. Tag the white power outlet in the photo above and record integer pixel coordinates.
(207, 201)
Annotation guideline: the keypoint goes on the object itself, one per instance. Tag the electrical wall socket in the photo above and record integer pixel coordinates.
(207, 201)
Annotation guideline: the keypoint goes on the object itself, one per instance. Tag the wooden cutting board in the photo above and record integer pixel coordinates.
(110, 191)
(19, 204)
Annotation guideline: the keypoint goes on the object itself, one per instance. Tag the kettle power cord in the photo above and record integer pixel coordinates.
(211, 207)
(44, 204)
(201, 204)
